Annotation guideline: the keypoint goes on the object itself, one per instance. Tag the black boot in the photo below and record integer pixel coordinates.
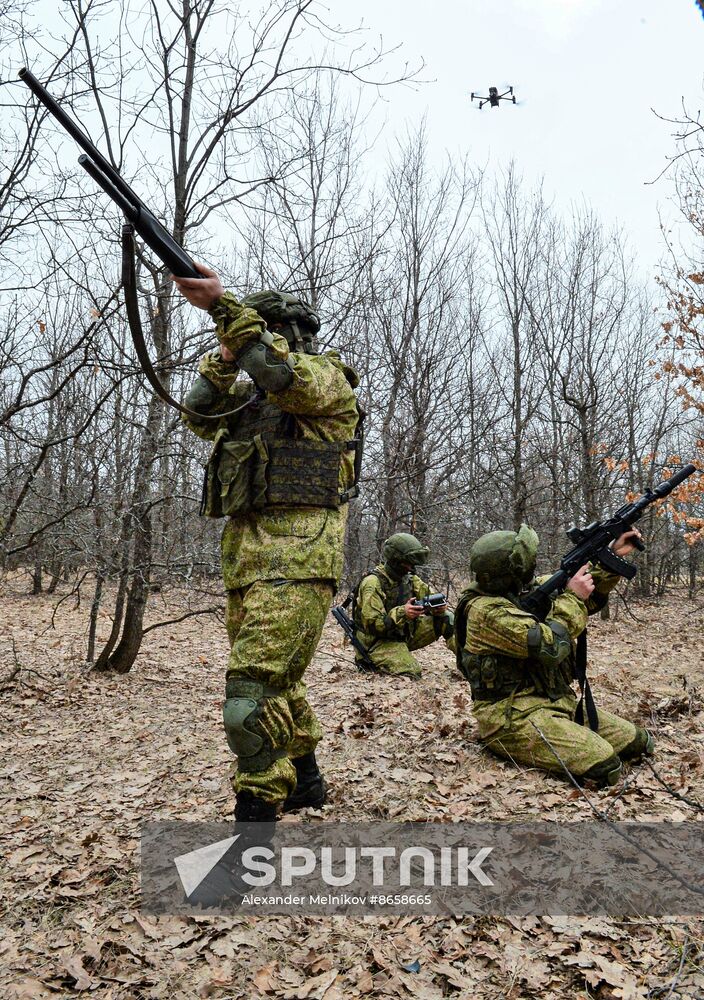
(223, 886)
(310, 790)
(251, 809)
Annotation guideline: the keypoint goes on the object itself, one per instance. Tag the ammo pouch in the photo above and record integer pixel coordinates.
(304, 473)
(234, 476)
(493, 677)
(254, 474)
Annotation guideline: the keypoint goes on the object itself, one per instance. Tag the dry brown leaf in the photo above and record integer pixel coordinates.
(313, 989)
(453, 975)
(74, 967)
(28, 989)
(365, 982)
(221, 977)
(265, 978)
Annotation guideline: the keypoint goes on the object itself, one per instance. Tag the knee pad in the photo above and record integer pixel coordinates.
(642, 745)
(257, 724)
(606, 772)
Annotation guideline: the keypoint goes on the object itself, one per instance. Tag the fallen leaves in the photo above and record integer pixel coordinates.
(87, 760)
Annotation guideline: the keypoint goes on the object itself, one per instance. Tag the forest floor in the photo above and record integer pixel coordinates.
(87, 758)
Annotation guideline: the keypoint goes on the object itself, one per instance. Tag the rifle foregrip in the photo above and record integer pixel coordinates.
(615, 564)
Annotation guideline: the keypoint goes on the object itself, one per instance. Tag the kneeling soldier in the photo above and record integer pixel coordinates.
(520, 669)
(389, 614)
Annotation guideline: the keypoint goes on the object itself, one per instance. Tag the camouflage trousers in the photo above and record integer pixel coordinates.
(274, 627)
(509, 728)
(394, 657)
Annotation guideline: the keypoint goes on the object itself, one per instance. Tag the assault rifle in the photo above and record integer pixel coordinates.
(104, 174)
(347, 626)
(592, 544)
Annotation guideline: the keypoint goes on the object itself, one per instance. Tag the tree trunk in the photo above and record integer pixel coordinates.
(125, 653)
(692, 569)
(103, 661)
(93, 622)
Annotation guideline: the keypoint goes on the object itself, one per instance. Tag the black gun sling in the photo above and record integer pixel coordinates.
(129, 285)
(586, 699)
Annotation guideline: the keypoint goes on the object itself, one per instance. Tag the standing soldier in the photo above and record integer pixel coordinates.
(520, 669)
(390, 620)
(281, 470)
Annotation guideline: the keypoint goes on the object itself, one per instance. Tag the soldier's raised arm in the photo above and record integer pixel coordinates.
(271, 336)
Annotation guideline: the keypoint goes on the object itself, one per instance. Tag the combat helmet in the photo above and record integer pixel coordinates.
(504, 561)
(299, 321)
(402, 550)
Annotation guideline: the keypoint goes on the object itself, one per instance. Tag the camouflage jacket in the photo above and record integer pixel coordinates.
(287, 542)
(496, 658)
(379, 607)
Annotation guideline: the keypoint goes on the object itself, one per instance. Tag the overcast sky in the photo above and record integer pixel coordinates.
(587, 74)
(588, 71)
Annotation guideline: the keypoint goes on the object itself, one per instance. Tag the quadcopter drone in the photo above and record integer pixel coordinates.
(494, 97)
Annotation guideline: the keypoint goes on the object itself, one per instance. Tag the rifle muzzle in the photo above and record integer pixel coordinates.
(668, 485)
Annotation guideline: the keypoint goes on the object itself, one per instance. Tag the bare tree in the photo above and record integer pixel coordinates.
(209, 82)
(515, 228)
(413, 332)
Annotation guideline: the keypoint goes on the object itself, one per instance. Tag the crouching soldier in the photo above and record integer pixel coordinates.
(521, 669)
(389, 615)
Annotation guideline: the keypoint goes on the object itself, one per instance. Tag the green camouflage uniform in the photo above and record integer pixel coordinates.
(520, 672)
(383, 627)
(281, 559)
